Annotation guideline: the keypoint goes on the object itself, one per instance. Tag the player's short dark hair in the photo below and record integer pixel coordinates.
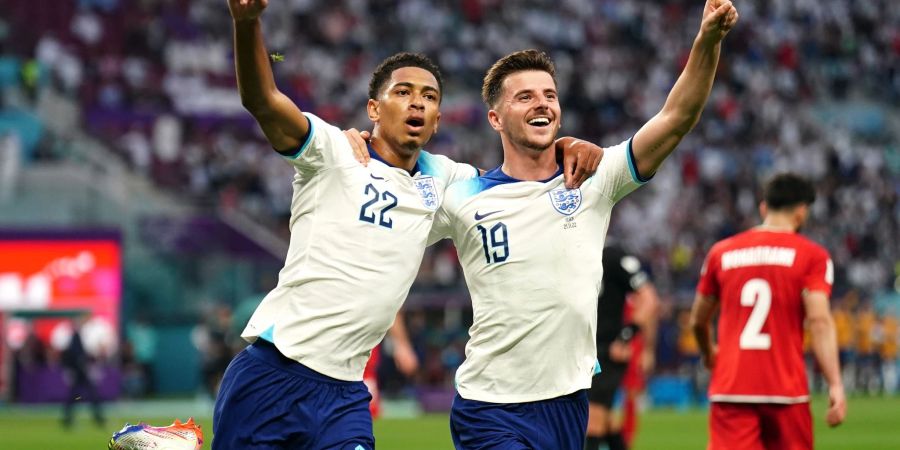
(398, 61)
(514, 62)
(787, 190)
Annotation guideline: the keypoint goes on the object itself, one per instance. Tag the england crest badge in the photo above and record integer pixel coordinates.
(566, 201)
(427, 192)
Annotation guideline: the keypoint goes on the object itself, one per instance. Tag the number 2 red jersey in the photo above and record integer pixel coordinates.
(759, 277)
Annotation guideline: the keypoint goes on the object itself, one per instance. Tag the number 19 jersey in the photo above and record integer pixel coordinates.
(759, 277)
(357, 238)
(532, 252)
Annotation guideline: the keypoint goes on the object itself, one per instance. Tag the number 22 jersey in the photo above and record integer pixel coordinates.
(358, 234)
(759, 277)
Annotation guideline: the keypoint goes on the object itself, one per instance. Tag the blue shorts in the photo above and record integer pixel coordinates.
(558, 423)
(268, 401)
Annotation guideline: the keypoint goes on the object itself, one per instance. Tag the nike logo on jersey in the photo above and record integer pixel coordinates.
(374, 177)
(482, 216)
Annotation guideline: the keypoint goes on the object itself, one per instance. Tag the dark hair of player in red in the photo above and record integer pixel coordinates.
(787, 190)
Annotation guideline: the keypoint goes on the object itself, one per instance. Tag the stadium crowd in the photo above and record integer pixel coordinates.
(807, 85)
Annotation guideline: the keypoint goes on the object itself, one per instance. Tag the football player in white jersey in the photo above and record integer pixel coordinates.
(358, 234)
(531, 250)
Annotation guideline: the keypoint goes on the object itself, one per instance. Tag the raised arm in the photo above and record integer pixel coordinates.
(659, 136)
(280, 119)
(824, 346)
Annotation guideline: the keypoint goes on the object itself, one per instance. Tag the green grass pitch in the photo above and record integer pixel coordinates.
(872, 424)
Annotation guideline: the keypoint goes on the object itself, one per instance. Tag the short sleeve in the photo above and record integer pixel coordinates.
(462, 171)
(444, 168)
(440, 228)
(820, 276)
(617, 174)
(709, 281)
(322, 148)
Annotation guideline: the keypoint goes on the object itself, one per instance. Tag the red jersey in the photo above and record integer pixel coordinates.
(759, 277)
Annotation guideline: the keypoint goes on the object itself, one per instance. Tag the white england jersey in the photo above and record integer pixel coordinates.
(357, 238)
(532, 256)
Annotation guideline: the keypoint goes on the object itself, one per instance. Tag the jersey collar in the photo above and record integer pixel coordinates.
(374, 155)
(497, 176)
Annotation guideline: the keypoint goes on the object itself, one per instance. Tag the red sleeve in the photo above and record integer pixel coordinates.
(820, 274)
(709, 280)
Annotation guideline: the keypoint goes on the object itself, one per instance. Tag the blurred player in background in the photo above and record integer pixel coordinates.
(765, 282)
(634, 383)
(358, 235)
(623, 277)
(531, 250)
(890, 330)
(404, 358)
(76, 364)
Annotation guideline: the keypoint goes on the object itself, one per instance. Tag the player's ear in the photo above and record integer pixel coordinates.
(495, 121)
(437, 122)
(372, 110)
(802, 213)
(763, 209)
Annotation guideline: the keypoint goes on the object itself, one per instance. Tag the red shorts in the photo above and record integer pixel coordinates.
(758, 426)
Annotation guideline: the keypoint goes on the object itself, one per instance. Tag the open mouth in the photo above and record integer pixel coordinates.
(539, 122)
(415, 122)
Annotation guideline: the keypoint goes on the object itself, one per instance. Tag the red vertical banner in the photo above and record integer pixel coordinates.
(46, 279)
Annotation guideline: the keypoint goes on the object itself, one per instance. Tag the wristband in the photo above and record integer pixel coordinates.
(628, 332)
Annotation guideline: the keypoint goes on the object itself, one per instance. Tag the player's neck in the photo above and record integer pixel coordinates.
(393, 154)
(528, 164)
(778, 222)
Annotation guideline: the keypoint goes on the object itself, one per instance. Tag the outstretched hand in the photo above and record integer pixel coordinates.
(719, 17)
(243, 10)
(580, 160)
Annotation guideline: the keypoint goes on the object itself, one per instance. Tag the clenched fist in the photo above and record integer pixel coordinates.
(244, 10)
(719, 17)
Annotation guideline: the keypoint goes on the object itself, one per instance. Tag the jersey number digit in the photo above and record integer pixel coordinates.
(367, 216)
(495, 239)
(758, 294)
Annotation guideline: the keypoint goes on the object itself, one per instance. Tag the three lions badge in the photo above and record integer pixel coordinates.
(427, 192)
(566, 201)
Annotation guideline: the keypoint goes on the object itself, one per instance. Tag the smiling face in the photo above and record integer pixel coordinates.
(528, 112)
(406, 112)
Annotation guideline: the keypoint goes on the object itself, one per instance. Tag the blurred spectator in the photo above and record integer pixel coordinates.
(212, 339)
(806, 85)
(142, 339)
(10, 160)
(77, 365)
(890, 330)
(154, 78)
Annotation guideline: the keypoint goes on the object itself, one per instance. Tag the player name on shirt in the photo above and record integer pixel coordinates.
(758, 256)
